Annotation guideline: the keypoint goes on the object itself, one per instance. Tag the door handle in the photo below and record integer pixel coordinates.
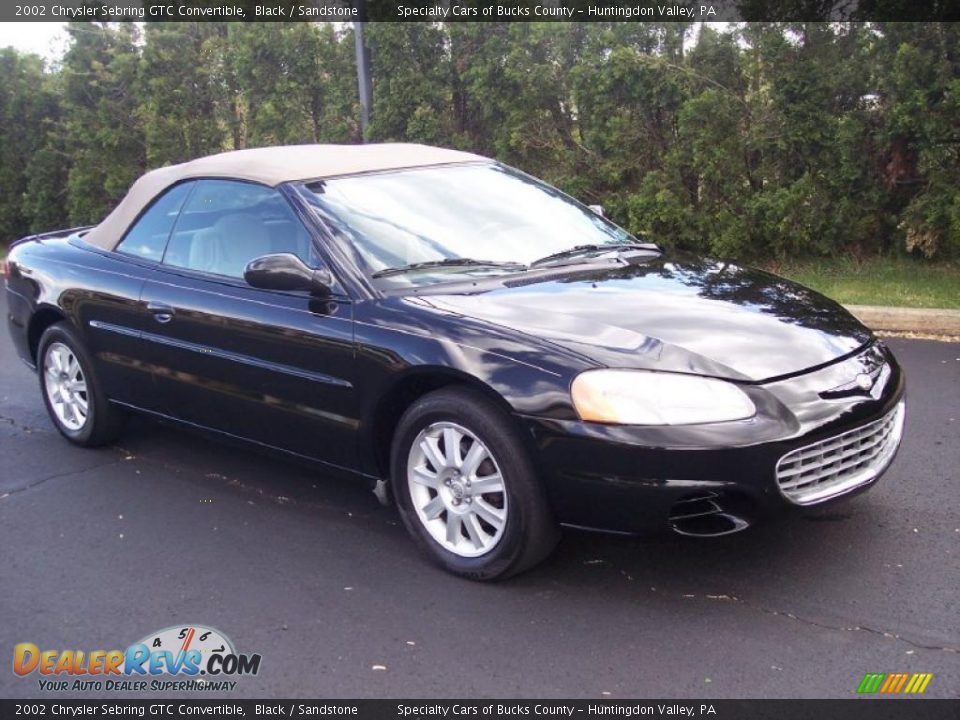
(161, 313)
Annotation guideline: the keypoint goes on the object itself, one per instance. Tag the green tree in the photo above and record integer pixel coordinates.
(296, 80)
(45, 201)
(917, 76)
(28, 106)
(411, 81)
(178, 92)
(767, 139)
(102, 122)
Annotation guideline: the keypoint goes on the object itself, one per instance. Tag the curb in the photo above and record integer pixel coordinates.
(927, 321)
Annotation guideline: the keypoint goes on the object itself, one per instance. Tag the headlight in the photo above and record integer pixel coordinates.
(638, 397)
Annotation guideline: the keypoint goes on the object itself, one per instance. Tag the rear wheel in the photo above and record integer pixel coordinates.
(71, 391)
(466, 488)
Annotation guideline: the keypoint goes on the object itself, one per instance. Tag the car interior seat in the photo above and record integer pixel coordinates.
(229, 244)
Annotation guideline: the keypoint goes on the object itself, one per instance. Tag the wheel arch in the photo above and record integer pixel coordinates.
(44, 317)
(390, 406)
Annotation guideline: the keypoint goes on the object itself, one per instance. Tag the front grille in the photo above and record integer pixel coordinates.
(836, 465)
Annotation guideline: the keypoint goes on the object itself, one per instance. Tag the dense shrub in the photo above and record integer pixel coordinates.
(765, 140)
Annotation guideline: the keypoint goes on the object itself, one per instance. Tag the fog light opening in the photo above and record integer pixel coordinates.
(709, 514)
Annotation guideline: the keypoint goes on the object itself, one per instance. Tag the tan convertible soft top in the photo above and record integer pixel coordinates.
(270, 166)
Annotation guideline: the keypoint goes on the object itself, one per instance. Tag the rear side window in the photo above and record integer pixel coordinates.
(148, 236)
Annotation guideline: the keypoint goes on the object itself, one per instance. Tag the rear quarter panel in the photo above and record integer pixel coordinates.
(87, 288)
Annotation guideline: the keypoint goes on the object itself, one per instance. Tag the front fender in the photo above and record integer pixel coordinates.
(405, 349)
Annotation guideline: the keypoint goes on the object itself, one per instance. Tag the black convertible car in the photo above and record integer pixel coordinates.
(490, 353)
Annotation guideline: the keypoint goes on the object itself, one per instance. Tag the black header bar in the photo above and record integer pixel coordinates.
(481, 10)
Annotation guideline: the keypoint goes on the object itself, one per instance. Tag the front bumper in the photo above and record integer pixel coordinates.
(720, 478)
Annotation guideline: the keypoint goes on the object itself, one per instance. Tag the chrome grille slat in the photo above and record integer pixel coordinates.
(875, 442)
(812, 460)
(836, 465)
(832, 469)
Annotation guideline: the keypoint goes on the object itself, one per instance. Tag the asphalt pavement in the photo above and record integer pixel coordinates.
(98, 548)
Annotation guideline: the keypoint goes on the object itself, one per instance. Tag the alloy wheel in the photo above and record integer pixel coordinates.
(66, 386)
(457, 489)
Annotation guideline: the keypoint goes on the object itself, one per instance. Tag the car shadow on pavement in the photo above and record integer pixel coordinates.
(773, 552)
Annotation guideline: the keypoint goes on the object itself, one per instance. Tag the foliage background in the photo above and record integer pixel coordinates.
(767, 140)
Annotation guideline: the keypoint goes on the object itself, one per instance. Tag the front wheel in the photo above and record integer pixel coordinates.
(466, 488)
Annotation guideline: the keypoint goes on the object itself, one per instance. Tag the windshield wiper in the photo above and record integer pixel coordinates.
(592, 248)
(447, 262)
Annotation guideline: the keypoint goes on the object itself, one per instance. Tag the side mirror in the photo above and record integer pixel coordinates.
(597, 209)
(285, 271)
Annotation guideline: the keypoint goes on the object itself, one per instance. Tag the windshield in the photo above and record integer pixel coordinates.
(496, 219)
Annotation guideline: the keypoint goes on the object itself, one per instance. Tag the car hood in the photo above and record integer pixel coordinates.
(696, 316)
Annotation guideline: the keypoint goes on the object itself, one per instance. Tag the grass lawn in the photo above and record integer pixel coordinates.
(879, 281)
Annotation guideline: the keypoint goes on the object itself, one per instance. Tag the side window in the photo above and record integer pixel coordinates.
(227, 223)
(148, 236)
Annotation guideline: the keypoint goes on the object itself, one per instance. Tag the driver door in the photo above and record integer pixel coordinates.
(269, 366)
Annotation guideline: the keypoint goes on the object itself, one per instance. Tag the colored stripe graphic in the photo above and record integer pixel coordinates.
(900, 682)
(889, 683)
(871, 682)
(922, 682)
(895, 683)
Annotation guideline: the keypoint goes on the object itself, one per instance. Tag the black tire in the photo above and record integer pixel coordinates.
(102, 423)
(529, 533)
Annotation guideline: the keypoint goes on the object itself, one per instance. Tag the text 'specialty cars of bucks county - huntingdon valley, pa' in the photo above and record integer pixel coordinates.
(493, 356)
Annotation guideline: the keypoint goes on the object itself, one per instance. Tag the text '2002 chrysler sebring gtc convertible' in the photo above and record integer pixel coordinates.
(493, 355)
